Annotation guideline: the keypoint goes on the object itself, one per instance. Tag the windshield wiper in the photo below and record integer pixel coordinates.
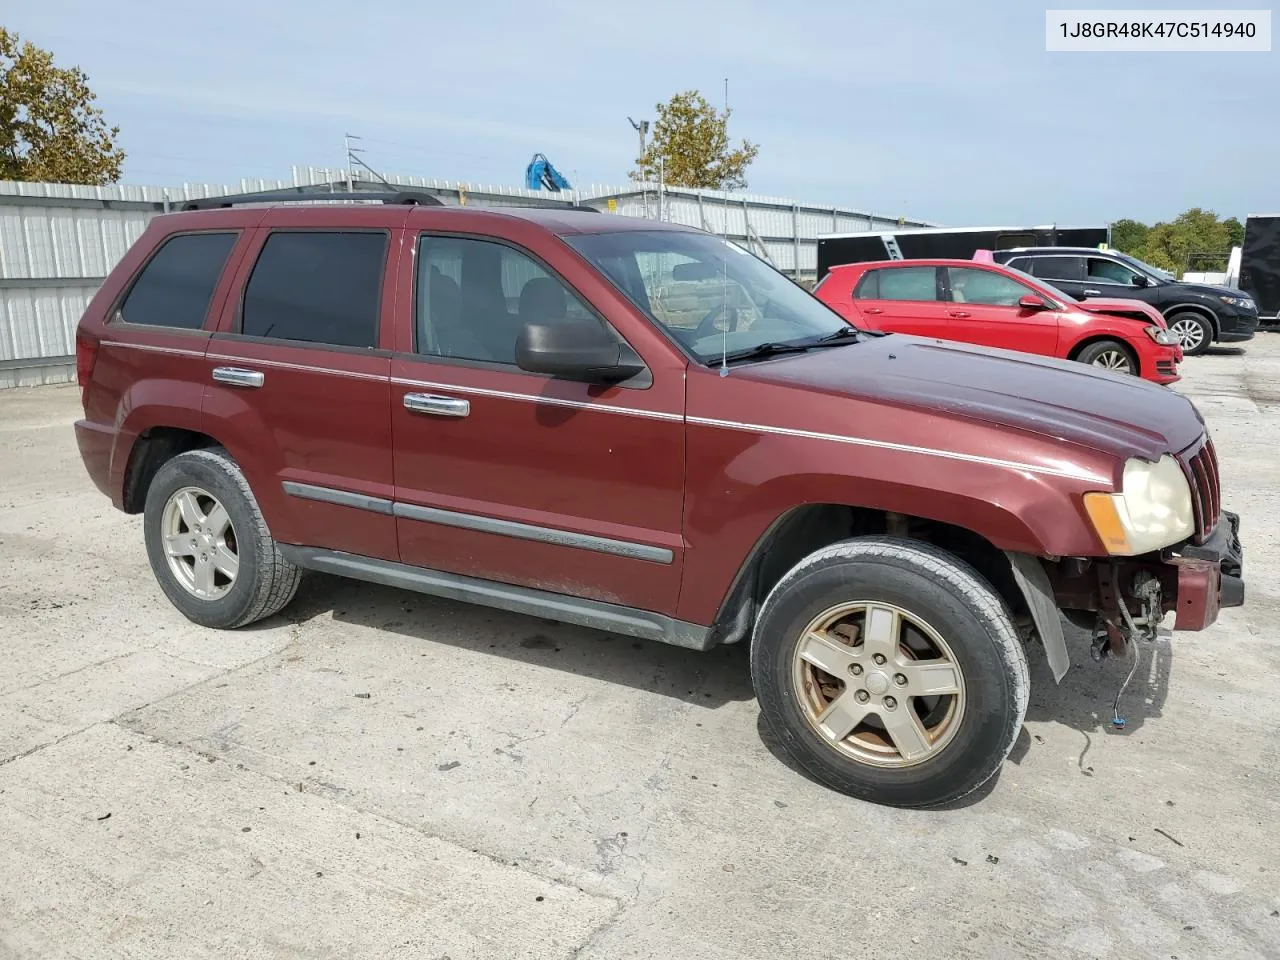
(843, 335)
(760, 350)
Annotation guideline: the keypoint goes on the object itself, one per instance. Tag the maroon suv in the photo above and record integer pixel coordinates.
(645, 429)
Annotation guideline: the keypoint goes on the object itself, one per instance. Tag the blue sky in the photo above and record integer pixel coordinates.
(950, 111)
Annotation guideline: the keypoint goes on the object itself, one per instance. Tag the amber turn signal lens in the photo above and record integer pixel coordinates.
(1101, 508)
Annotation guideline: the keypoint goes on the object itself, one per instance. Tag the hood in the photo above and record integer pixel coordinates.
(1114, 306)
(1210, 290)
(1115, 414)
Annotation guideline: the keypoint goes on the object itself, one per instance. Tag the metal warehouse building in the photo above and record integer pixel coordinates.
(58, 241)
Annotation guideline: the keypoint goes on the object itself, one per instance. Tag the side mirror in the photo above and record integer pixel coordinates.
(1031, 302)
(1140, 281)
(575, 351)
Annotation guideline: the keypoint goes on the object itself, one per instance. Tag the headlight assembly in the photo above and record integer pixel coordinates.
(1152, 510)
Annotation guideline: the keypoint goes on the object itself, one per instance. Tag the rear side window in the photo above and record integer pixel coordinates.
(1057, 268)
(176, 285)
(316, 287)
(901, 283)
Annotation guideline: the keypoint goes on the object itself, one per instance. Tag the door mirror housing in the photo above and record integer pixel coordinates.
(1140, 281)
(1032, 302)
(575, 351)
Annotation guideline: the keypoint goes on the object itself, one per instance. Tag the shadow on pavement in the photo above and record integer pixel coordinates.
(709, 679)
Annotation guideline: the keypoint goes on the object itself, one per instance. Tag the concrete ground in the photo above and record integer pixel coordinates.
(380, 774)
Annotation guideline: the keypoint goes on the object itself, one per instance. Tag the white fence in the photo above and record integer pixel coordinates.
(58, 241)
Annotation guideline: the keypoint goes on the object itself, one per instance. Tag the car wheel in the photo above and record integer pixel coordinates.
(891, 671)
(1195, 333)
(1110, 355)
(209, 546)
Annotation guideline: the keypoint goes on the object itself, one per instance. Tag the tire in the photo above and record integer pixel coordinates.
(1193, 329)
(181, 525)
(1110, 355)
(975, 727)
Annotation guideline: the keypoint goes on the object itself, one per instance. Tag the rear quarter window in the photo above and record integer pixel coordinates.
(899, 283)
(175, 286)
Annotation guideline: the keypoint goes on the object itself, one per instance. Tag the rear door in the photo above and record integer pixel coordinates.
(520, 478)
(985, 311)
(903, 300)
(300, 382)
(1066, 273)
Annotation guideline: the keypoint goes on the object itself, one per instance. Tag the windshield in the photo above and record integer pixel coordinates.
(1148, 269)
(709, 294)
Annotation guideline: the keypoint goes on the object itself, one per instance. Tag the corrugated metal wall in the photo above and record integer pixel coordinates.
(58, 242)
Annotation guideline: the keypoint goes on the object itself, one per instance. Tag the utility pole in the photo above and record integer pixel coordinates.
(642, 128)
(347, 138)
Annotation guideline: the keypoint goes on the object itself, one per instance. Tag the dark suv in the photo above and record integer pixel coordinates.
(643, 428)
(1198, 313)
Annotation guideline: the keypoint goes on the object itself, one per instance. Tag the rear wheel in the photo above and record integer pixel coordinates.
(209, 545)
(1194, 331)
(1110, 355)
(891, 671)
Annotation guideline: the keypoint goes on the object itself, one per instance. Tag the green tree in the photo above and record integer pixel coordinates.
(49, 126)
(1129, 236)
(1195, 240)
(691, 146)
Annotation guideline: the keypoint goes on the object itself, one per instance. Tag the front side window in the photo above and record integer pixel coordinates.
(1108, 271)
(317, 287)
(708, 294)
(176, 285)
(986, 287)
(474, 296)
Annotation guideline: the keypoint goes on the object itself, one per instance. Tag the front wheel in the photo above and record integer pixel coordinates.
(1195, 333)
(1110, 355)
(890, 670)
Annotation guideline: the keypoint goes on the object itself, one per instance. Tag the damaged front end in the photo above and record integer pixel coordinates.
(1122, 600)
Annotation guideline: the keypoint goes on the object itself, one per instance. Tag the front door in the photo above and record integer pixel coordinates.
(903, 300)
(300, 386)
(984, 310)
(1111, 278)
(520, 478)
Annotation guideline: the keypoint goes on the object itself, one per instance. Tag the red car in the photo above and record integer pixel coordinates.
(996, 306)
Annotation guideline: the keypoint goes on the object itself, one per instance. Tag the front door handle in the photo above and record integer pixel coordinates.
(236, 377)
(1093, 293)
(437, 406)
(958, 313)
(873, 310)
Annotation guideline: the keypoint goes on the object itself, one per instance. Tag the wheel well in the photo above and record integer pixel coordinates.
(1193, 308)
(153, 448)
(805, 529)
(1089, 341)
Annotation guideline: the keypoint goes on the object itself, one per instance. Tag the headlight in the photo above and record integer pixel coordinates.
(1162, 336)
(1153, 509)
(1244, 302)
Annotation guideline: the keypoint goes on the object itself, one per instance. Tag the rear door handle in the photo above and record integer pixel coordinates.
(872, 310)
(1093, 293)
(236, 377)
(436, 406)
(958, 313)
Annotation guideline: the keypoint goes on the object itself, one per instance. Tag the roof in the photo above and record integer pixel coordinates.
(916, 262)
(558, 221)
(1060, 250)
(912, 231)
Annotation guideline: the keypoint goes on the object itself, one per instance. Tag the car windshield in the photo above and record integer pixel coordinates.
(709, 294)
(1148, 269)
(1059, 295)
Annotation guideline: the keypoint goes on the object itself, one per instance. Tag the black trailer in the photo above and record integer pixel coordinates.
(913, 243)
(1260, 264)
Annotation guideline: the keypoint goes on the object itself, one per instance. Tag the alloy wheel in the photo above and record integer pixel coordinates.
(878, 684)
(1114, 359)
(1190, 333)
(200, 543)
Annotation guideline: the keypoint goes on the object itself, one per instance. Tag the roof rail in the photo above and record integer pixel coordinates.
(411, 197)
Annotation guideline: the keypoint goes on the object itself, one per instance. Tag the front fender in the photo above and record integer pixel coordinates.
(731, 505)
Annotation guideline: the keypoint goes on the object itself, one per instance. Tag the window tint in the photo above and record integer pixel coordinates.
(317, 288)
(176, 285)
(475, 295)
(1057, 268)
(902, 283)
(984, 287)
(1108, 271)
